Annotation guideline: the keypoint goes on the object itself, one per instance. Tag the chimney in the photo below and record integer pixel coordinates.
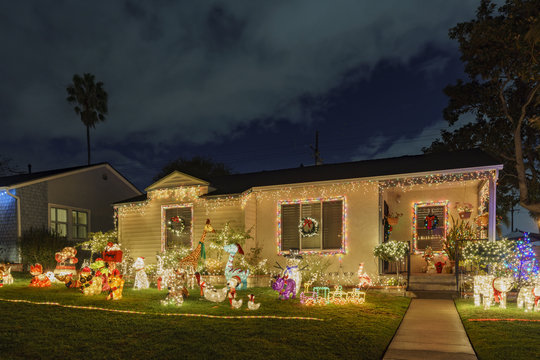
(29, 168)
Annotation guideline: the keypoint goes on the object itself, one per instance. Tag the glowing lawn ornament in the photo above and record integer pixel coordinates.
(39, 279)
(338, 296)
(501, 286)
(483, 290)
(141, 279)
(230, 271)
(286, 288)
(364, 281)
(6, 275)
(529, 296)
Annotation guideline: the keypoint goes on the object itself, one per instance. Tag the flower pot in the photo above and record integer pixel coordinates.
(392, 220)
(464, 214)
(482, 220)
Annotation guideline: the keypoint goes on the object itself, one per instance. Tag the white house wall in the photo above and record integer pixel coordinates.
(361, 224)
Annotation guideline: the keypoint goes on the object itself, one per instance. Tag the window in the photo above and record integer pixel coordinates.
(177, 222)
(429, 225)
(328, 215)
(79, 224)
(59, 221)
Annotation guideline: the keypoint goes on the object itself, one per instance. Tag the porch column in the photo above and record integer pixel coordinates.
(492, 225)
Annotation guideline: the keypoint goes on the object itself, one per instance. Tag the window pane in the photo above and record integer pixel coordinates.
(314, 211)
(53, 214)
(61, 215)
(333, 224)
(74, 232)
(82, 217)
(73, 217)
(175, 238)
(61, 229)
(82, 232)
(290, 217)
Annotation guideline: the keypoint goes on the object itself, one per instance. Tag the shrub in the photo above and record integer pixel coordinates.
(484, 253)
(39, 245)
(391, 250)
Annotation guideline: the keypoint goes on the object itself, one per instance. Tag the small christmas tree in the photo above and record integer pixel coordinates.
(524, 263)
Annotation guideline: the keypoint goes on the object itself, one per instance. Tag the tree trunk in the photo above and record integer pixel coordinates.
(88, 142)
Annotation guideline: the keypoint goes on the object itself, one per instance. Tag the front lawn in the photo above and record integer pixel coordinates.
(501, 339)
(30, 330)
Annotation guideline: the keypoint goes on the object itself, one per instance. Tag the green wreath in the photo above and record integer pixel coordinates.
(308, 226)
(176, 225)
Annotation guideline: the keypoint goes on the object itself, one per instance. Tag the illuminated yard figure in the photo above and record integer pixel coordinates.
(529, 296)
(502, 285)
(286, 287)
(189, 263)
(292, 271)
(483, 290)
(209, 292)
(141, 279)
(230, 271)
(364, 281)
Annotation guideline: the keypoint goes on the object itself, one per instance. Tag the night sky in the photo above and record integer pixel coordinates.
(245, 83)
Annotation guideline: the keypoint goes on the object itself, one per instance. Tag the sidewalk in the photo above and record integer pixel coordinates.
(431, 329)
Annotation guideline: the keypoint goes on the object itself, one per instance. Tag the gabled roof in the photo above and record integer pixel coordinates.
(174, 179)
(403, 166)
(16, 181)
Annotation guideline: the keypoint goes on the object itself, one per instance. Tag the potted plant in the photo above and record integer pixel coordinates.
(465, 210)
(393, 218)
(460, 230)
(392, 251)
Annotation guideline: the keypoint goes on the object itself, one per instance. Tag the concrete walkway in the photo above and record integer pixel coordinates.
(431, 329)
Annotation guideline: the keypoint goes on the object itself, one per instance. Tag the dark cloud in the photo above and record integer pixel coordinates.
(200, 72)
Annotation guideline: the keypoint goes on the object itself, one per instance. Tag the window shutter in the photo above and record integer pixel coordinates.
(332, 224)
(290, 217)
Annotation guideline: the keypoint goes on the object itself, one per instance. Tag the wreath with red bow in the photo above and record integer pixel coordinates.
(308, 226)
(176, 225)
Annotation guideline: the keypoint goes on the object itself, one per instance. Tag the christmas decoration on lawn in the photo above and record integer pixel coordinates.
(100, 270)
(141, 279)
(1, 276)
(292, 271)
(67, 279)
(230, 271)
(112, 253)
(116, 285)
(39, 279)
(209, 292)
(489, 289)
(523, 263)
(318, 296)
(176, 225)
(285, 286)
(232, 283)
(439, 266)
(6, 278)
(90, 285)
(66, 261)
(251, 303)
(308, 227)
(528, 297)
(177, 290)
(189, 263)
(364, 281)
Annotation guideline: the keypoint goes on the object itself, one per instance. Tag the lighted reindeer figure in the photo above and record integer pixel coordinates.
(189, 263)
(230, 271)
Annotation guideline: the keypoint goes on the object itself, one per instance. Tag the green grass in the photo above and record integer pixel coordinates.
(30, 331)
(501, 339)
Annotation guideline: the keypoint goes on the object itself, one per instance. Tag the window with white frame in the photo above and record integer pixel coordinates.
(59, 220)
(324, 216)
(177, 221)
(79, 224)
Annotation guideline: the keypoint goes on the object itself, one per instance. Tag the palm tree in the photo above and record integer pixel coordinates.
(90, 100)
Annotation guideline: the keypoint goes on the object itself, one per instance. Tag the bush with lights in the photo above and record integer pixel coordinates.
(392, 251)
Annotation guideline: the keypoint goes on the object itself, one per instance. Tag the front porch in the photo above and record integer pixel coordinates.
(422, 210)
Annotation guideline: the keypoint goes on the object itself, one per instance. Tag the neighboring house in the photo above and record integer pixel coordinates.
(72, 201)
(350, 203)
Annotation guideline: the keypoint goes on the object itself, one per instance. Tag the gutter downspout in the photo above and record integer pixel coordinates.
(18, 201)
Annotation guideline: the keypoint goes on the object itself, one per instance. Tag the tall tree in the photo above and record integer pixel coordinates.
(500, 50)
(198, 166)
(90, 100)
